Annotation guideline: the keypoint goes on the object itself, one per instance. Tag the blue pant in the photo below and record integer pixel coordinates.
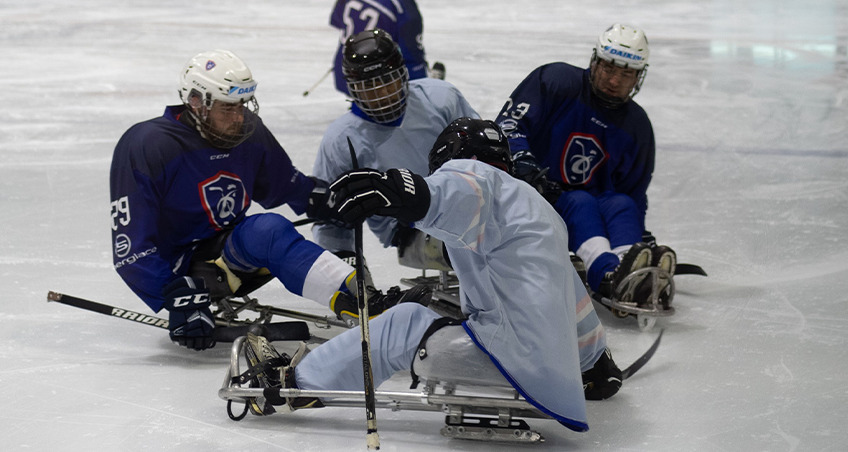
(270, 241)
(613, 216)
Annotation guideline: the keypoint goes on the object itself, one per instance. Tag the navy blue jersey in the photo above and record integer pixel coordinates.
(552, 114)
(400, 18)
(170, 188)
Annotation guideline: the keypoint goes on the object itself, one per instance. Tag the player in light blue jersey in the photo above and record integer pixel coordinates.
(181, 185)
(597, 146)
(526, 325)
(392, 123)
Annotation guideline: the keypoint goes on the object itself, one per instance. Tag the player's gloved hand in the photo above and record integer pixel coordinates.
(397, 193)
(190, 321)
(603, 380)
(321, 204)
(529, 171)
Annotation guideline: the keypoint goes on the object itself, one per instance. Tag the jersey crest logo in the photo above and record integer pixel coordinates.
(581, 157)
(224, 198)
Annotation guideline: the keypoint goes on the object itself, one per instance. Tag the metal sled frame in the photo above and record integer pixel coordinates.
(445, 291)
(229, 308)
(466, 416)
(658, 303)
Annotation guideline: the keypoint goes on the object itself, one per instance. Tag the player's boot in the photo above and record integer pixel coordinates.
(603, 380)
(346, 306)
(580, 266)
(265, 368)
(665, 258)
(297, 403)
(438, 70)
(616, 284)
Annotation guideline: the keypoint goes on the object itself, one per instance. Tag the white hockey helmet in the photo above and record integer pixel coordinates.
(623, 46)
(218, 75)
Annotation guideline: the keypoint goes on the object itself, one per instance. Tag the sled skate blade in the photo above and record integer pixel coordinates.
(646, 294)
(490, 429)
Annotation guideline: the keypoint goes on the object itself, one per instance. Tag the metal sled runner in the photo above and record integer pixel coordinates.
(471, 417)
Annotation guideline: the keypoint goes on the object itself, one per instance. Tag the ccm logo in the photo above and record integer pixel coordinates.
(200, 298)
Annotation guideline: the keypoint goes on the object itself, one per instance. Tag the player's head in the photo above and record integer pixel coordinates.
(619, 64)
(218, 89)
(468, 138)
(376, 76)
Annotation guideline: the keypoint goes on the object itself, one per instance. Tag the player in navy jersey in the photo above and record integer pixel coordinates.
(181, 186)
(597, 146)
(400, 18)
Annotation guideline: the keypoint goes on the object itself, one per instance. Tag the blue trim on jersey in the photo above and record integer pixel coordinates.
(572, 424)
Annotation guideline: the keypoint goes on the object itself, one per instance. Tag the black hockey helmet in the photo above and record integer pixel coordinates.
(369, 54)
(467, 138)
(376, 76)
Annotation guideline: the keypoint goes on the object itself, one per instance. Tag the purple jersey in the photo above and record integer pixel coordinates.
(552, 113)
(170, 189)
(400, 18)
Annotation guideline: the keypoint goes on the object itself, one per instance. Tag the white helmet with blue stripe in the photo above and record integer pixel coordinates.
(219, 75)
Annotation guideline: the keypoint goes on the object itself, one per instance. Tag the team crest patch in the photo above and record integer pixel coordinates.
(210, 65)
(223, 197)
(581, 157)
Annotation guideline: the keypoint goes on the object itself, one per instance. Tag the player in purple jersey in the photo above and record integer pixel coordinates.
(400, 18)
(577, 135)
(181, 186)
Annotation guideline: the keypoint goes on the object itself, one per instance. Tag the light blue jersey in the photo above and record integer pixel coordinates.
(432, 105)
(522, 296)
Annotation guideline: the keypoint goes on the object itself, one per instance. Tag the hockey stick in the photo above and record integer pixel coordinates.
(372, 438)
(306, 93)
(689, 269)
(627, 373)
(280, 331)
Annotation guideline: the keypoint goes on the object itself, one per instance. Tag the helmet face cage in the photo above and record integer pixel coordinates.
(219, 79)
(622, 46)
(382, 98)
(468, 138)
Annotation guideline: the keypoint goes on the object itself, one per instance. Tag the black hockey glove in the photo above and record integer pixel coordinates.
(321, 205)
(190, 321)
(397, 193)
(529, 171)
(603, 380)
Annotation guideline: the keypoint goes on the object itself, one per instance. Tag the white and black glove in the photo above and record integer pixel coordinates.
(320, 205)
(190, 320)
(397, 193)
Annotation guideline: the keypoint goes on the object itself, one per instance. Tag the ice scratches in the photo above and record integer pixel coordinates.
(56, 262)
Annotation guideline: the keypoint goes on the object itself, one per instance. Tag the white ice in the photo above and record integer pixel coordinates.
(749, 102)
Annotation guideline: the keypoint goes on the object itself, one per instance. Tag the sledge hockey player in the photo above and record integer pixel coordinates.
(583, 126)
(399, 18)
(523, 316)
(391, 124)
(181, 186)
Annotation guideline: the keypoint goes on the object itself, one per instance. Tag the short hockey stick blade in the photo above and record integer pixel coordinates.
(278, 331)
(689, 269)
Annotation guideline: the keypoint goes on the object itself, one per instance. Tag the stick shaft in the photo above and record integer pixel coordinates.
(372, 437)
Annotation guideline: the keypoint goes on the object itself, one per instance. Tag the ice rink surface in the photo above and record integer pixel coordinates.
(749, 103)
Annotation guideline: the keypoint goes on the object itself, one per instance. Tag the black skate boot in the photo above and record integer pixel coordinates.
(265, 370)
(346, 307)
(615, 285)
(603, 380)
(580, 266)
(297, 403)
(438, 70)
